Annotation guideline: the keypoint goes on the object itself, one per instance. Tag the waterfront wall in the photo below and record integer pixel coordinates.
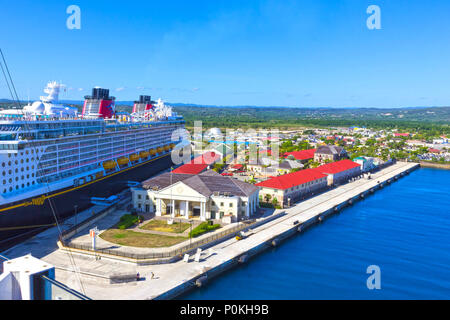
(276, 237)
(425, 164)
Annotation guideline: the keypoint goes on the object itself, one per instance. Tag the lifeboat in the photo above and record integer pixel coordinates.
(152, 152)
(134, 157)
(108, 165)
(99, 175)
(143, 154)
(159, 149)
(122, 161)
(172, 145)
(166, 147)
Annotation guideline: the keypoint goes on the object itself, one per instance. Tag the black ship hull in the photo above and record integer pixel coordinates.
(23, 219)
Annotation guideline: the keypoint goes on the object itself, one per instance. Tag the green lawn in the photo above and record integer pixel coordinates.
(138, 239)
(161, 225)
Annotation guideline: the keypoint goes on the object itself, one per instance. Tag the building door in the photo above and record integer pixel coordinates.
(196, 211)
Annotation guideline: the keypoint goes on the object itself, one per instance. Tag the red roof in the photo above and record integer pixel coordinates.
(336, 167)
(191, 168)
(434, 150)
(401, 134)
(237, 166)
(207, 158)
(292, 179)
(301, 155)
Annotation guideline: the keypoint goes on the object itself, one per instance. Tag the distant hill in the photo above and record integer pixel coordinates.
(251, 116)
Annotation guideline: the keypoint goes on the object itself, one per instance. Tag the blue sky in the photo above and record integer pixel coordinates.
(315, 53)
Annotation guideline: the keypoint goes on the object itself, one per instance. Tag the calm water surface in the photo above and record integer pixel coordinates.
(403, 228)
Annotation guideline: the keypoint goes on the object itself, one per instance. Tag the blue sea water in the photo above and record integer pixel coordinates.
(404, 229)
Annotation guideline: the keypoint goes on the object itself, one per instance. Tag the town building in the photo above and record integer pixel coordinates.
(290, 188)
(287, 166)
(339, 172)
(366, 163)
(302, 156)
(200, 196)
(199, 164)
(329, 153)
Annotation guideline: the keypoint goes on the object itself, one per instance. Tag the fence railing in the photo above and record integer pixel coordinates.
(170, 253)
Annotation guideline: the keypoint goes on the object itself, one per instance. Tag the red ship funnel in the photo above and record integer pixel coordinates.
(99, 104)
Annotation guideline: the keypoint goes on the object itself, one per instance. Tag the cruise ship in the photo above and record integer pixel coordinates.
(53, 159)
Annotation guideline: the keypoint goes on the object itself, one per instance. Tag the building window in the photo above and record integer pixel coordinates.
(231, 205)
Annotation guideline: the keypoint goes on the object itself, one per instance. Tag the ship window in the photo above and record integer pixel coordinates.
(10, 189)
(23, 185)
(9, 171)
(3, 164)
(4, 181)
(10, 180)
(9, 163)
(28, 184)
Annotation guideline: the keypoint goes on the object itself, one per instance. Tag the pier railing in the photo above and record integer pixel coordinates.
(178, 251)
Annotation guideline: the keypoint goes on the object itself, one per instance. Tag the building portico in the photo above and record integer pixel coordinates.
(204, 196)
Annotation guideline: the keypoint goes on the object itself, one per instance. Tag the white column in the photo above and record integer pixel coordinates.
(247, 208)
(202, 211)
(172, 208)
(158, 207)
(186, 207)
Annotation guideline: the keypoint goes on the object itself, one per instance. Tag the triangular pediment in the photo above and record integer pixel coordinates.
(180, 189)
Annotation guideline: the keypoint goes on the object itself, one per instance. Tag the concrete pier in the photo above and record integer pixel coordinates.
(166, 281)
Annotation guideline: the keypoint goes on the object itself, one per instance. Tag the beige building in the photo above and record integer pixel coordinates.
(292, 187)
(204, 196)
(329, 153)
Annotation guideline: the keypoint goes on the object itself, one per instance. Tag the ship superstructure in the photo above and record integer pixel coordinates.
(48, 147)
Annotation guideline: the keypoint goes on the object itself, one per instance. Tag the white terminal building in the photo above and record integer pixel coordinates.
(204, 196)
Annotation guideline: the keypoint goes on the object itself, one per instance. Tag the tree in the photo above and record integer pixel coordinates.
(275, 202)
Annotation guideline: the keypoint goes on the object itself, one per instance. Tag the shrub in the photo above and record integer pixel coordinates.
(203, 228)
(127, 220)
